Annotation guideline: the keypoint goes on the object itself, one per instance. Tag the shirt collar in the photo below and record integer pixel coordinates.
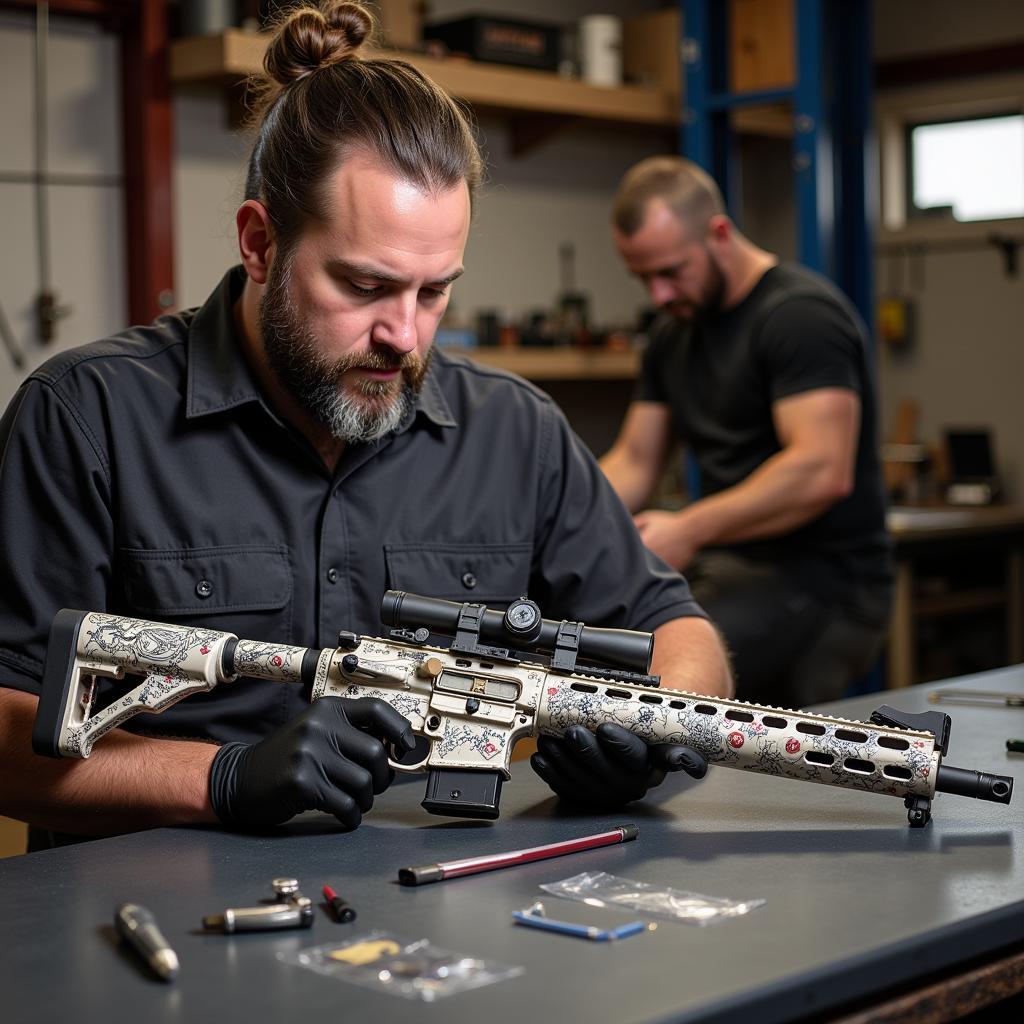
(431, 401)
(219, 378)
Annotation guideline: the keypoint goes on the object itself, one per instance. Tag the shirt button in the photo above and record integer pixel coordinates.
(332, 575)
(204, 588)
(468, 580)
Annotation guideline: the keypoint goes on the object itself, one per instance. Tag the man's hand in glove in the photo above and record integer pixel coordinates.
(611, 767)
(331, 757)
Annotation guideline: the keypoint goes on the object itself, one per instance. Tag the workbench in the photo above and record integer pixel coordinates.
(860, 909)
(995, 533)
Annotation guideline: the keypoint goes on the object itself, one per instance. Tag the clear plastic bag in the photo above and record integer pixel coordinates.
(411, 969)
(599, 889)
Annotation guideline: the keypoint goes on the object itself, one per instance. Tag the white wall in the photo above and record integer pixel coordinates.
(966, 363)
(86, 221)
(209, 178)
(966, 366)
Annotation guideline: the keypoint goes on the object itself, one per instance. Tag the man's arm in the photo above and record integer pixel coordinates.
(330, 757)
(818, 432)
(634, 464)
(129, 783)
(689, 655)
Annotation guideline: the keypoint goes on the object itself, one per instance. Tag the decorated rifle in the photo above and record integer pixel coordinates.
(504, 676)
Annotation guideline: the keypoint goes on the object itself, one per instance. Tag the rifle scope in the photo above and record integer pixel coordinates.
(626, 649)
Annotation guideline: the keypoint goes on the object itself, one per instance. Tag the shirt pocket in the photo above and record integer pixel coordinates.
(493, 574)
(243, 589)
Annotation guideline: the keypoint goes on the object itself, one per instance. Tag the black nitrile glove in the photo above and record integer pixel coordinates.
(611, 767)
(331, 757)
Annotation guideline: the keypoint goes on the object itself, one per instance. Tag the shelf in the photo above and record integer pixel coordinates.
(935, 606)
(921, 525)
(232, 55)
(557, 363)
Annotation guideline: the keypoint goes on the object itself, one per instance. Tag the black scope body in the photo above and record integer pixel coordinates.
(626, 649)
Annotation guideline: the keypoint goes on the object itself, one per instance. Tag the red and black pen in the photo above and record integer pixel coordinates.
(473, 865)
(342, 912)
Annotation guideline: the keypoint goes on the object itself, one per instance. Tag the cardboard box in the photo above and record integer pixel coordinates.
(762, 43)
(501, 41)
(651, 51)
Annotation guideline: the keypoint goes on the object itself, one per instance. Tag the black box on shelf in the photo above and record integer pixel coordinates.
(500, 41)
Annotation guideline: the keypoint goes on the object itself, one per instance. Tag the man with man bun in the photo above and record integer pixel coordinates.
(270, 463)
(763, 369)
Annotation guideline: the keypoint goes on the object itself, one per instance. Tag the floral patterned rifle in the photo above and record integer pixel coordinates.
(503, 677)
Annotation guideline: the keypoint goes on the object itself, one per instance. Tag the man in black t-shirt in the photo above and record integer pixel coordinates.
(763, 369)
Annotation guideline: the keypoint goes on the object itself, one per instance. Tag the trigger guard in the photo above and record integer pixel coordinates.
(409, 769)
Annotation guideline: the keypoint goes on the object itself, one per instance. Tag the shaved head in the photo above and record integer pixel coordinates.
(689, 192)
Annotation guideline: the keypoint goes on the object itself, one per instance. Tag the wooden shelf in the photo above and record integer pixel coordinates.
(539, 102)
(234, 54)
(979, 599)
(557, 363)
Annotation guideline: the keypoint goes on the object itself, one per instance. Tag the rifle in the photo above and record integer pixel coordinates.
(504, 676)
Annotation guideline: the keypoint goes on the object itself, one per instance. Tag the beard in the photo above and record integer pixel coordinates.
(353, 412)
(710, 302)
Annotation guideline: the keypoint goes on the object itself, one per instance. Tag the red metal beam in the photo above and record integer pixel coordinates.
(147, 142)
(148, 153)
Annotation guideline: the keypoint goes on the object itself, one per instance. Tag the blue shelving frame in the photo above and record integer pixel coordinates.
(833, 141)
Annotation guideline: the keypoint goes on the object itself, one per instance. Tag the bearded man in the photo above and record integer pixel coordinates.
(270, 463)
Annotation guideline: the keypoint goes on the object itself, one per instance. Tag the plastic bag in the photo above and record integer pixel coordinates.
(599, 889)
(411, 969)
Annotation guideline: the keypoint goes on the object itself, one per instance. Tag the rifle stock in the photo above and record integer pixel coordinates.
(473, 702)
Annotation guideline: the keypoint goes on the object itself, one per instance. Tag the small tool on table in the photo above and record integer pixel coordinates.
(491, 862)
(987, 698)
(294, 911)
(137, 926)
(536, 917)
(343, 913)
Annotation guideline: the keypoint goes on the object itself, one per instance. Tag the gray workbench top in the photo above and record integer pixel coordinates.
(857, 902)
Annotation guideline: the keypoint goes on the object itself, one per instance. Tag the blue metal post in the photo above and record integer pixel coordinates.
(812, 141)
(695, 130)
(706, 137)
(854, 143)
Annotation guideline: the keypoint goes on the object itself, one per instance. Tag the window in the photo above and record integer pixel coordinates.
(969, 169)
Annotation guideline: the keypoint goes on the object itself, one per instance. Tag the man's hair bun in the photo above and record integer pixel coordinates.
(310, 38)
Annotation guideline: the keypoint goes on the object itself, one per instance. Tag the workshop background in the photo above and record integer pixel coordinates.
(97, 94)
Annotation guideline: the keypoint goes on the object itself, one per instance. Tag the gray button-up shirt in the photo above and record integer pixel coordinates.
(146, 475)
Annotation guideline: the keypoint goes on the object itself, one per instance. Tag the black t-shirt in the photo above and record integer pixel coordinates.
(137, 467)
(720, 374)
